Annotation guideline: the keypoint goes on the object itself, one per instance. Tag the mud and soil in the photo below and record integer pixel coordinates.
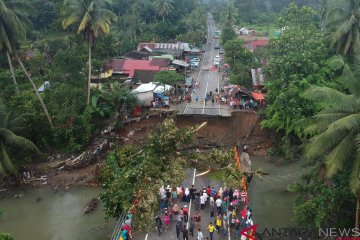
(242, 128)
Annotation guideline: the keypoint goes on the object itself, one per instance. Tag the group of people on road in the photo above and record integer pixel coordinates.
(126, 231)
(227, 208)
(246, 105)
(212, 96)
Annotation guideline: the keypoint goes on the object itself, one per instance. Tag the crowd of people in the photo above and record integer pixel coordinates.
(227, 208)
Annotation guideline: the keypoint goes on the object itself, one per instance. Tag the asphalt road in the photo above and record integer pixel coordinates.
(170, 234)
(209, 79)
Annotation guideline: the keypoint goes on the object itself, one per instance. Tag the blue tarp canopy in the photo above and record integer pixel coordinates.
(162, 96)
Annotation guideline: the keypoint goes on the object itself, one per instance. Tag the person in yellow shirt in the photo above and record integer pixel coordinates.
(211, 229)
(218, 223)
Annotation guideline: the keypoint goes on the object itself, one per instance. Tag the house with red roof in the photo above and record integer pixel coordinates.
(252, 45)
(127, 67)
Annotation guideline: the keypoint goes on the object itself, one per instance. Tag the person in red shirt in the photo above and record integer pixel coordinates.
(186, 213)
(127, 228)
(208, 191)
(243, 213)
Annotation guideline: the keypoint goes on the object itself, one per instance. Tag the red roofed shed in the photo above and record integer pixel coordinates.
(252, 45)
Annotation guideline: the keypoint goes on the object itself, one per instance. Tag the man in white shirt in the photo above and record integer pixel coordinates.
(206, 196)
(218, 205)
(202, 202)
(200, 235)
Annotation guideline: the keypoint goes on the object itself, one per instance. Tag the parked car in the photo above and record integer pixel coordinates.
(195, 59)
(217, 47)
(221, 51)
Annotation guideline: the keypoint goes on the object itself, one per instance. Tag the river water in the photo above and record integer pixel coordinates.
(272, 203)
(57, 216)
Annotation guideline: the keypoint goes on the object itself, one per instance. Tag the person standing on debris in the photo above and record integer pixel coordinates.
(245, 159)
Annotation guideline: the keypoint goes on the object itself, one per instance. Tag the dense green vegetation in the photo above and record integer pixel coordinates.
(67, 115)
(312, 97)
(140, 171)
(312, 92)
(241, 61)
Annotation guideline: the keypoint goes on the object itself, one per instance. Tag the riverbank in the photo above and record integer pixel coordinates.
(242, 127)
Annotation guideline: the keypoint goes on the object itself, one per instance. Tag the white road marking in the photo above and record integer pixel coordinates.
(219, 92)
(193, 183)
(207, 83)
(185, 107)
(146, 237)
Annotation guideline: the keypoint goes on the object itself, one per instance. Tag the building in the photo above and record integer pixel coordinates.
(139, 55)
(252, 45)
(176, 49)
(127, 67)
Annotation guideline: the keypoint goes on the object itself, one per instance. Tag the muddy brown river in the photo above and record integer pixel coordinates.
(59, 216)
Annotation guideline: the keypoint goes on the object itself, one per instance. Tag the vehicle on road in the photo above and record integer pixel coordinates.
(195, 59)
(216, 37)
(217, 60)
(194, 64)
(217, 47)
(221, 51)
(189, 82)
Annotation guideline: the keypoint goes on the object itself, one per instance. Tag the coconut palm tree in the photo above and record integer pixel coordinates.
(164, 7)
(343, 21)
(336, 130)
(13, 23)
(92, 18)
(10, 124)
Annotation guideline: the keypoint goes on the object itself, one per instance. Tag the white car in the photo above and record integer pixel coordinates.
(195, 60)
(194, 64)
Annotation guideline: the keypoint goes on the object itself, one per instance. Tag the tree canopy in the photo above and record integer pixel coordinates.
(138, 172)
